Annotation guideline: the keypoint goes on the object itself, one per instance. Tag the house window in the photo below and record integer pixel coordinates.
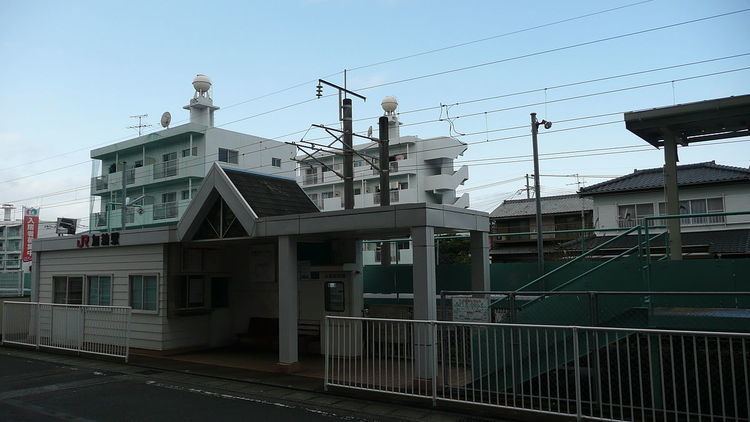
(698, 206)
(228, 156)
(68, 290)
(187, 152)
(632, 215)
(193, 292)
(99, 290)
(276, 162)
(143, 290)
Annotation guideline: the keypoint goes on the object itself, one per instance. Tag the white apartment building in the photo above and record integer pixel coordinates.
(164, 169)
(421, 170)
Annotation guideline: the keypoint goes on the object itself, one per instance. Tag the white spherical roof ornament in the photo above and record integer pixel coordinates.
(389, 104)
(202, 84)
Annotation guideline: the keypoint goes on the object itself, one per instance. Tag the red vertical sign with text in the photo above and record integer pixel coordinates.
(30, 231)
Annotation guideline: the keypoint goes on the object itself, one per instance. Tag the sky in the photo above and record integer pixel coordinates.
(73, 72)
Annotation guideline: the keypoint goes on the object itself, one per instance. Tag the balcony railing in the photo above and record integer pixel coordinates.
(166, 211)
(130, 176)
(688, 221)
(166, 169)
(394, 197)
(100, 183)
(310, 179)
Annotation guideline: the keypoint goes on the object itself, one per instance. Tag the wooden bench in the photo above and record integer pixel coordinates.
(263, 334)
(308, 333)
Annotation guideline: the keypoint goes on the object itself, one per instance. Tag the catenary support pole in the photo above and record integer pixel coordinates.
(385, 192)
(348, 155)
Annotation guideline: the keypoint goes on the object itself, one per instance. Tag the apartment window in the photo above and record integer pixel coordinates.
(138, 163)
(168, 197)
(403, 185)
(358, 163)
(193, 293)
(633, 214)
(357, 191)
(402, 244)
(169, 157)
(185, 195)
(325, 169)
(143, 289)
(112, 168)
(68, 290)
(187, 152)
(276, 162)
(99, 290)
(327, 195)
(228, 156)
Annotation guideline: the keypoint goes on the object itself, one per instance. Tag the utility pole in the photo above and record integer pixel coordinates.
(537, 188)
(123, 206)
(140, 124)
(528, 188)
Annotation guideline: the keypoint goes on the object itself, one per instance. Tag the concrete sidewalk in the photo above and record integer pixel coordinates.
(289, 389)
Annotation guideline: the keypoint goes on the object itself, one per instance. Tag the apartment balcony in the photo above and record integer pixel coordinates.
(462, 201)
(13, 264)
(147, 215)
(167, 171)
(447, 181)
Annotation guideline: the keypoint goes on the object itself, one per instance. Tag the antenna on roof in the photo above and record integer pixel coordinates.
(140, 124)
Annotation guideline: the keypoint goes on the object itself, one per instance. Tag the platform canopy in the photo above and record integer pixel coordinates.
(683, 124)
(692, 122)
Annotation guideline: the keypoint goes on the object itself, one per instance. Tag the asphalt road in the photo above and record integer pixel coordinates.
(32, 390)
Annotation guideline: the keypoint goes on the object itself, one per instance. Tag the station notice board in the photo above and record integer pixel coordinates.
(471, 309)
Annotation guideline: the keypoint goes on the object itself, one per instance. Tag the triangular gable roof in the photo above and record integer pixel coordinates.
(687, 175)
(216, 184)
(250, 196)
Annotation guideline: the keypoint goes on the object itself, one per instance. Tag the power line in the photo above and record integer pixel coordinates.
(455, 70)
(590, 152)
(553, 50)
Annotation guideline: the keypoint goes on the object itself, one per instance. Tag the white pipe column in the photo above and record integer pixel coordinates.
(480, 261)
(425, 306)
(288, 302)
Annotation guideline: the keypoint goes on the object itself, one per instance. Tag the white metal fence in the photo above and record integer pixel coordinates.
(584, 372)
(99, 330)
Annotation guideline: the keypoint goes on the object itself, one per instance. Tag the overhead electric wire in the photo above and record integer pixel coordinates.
(486, 64)
(571, 154)
(557, 49)
(288, 88)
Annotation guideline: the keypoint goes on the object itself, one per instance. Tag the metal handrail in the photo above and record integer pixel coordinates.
(583, 255)
(566, 327)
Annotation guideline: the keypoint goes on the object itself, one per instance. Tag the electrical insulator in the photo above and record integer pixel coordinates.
(320, 91)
